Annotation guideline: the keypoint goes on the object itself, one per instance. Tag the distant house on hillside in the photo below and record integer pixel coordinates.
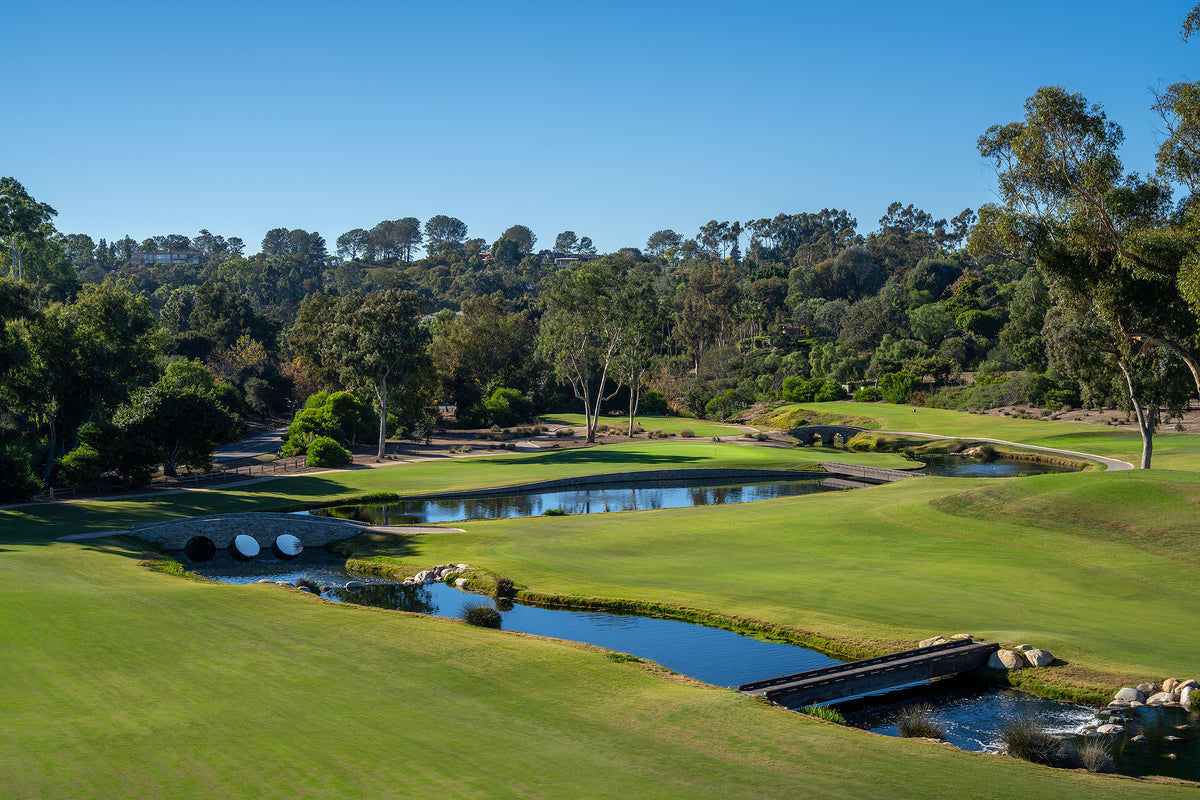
(563, 259)
(151, 257)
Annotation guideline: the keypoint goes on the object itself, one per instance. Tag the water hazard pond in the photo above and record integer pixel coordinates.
(643, 495)
(593, 499)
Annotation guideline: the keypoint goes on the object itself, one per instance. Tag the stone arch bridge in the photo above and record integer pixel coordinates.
(265, 527)
(825, 433)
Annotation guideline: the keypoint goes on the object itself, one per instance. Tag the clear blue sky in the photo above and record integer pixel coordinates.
(611, 119)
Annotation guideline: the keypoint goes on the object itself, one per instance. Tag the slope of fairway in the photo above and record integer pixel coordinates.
(121, 682)
(1104, 586)
(1175, 451)
(43, 522)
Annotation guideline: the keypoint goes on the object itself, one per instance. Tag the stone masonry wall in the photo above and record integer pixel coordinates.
(265, 527)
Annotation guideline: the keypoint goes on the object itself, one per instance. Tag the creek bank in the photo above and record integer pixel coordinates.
(478, 581)
(1172, 693)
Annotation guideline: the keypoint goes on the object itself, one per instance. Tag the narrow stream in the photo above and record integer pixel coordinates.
(971, 712)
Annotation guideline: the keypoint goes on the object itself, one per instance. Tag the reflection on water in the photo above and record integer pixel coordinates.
(959, 466)
(1154, 755)
(597, 499)
(396, 596)
(712, 655)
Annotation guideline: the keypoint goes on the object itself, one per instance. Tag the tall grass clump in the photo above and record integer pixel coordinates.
(1095, 754)
(1024, 738)
(917, 722)
(481, 615)
(505, 590)
(824, 712)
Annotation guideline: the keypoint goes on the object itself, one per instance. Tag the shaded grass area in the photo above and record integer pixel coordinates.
(883, 567)
(254, 691)
(668, 424)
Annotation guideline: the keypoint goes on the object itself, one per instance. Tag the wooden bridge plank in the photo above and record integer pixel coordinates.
(874, 674)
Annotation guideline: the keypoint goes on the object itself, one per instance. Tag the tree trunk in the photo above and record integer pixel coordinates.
(1144, 419)
(635, 391)
(48, 469)
(383, 393)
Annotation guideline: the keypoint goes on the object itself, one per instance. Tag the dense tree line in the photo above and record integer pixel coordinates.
(1080, 286)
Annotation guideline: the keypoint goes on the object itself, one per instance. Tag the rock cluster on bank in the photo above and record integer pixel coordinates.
(1171, 692)
(1023, 655)
(438, 573)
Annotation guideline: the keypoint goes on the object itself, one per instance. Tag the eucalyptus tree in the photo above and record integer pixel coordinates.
(372, 343)
(23, 221)
(1107, 237)
(1085, 348)
(590, 313)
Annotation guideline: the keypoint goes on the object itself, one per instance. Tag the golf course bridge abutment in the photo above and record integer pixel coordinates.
(287, 534)
(873, 674)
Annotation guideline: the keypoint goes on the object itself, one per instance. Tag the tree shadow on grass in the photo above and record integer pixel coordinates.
(43, 523)
(596, 455)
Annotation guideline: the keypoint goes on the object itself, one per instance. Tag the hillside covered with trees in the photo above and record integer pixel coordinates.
(1080, 287)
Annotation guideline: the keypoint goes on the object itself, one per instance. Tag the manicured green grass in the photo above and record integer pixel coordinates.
(122, 682)
(668, 424)
(42, 522)
(1082, 564)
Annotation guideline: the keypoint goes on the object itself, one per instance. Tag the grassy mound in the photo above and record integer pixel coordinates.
(1152, 511)
(794, 416)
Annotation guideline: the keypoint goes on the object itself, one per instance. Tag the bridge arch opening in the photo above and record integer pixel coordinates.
(286, 546)
(243, 547)
(199, 549)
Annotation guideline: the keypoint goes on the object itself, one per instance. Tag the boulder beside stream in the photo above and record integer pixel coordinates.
(1005, 659)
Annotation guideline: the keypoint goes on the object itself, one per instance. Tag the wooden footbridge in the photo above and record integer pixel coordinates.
(873, 674)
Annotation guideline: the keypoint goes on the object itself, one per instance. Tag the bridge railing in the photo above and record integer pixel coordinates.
(875, 473)
(755, 687)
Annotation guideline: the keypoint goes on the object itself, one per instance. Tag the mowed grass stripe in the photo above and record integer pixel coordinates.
(158, 686)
